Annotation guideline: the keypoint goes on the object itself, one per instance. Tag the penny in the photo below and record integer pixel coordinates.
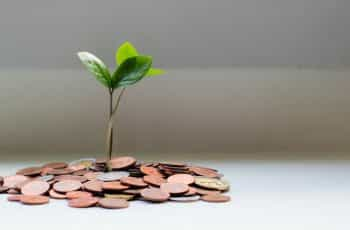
(92, 175)
(113, 203)
(93, 186)
(46, 178)
(14, 198)
(34, 199)
(202, 191)
(173, 163)
(3, 188)
(112, 176)
(155, 195)
(31, 171)
(201, 171)
(11, 181)
(185, 198)
(174, 188)
(133, 181)
(77, 167)
(181, 178)
(120, 196)
(21, 184)
(56, 195)
(81, 172)
(114, 186)
(148, 170)
(133, 191)
(211, 183)
(215, 198)
(71, 177)
(36, 187)
(85, 162)
(67, 186)
(45, 171)
(56, 165)
(60, 171)
(154, 180)
(12, 191)
(121, 162)
(191, 192)
(83, 202)
(77, 194)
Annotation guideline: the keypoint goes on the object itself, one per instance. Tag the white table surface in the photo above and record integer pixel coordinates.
(266, 194)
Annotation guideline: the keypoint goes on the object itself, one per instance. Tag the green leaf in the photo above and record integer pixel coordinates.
(95, 66)
(154, 72)
(125, 51)
(131, 71)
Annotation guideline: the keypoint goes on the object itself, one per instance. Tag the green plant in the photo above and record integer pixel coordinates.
(131, 68)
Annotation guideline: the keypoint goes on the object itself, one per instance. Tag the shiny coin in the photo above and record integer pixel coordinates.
(202, 191)
(11, 181)
(152, 171)
(46, 178)
(216, 198)
(114, 186)
(93, 186)
(113, 203)
(212, 183)
(174, 188)
(67, 186)
(55, 165)
(14, 198)
(120, 196)
(181, 178)
(133, 181)
(77, 194)
(92, 175)
(83, 202)
(201, 171)
(36, 187)
(154, 180)
(71, 177)
(112, 176)
(56, 195)
(32, 171)
(34, 200)
(121, 162)
(85, 162)
(155, 195)
(185, 198)
(59, 171)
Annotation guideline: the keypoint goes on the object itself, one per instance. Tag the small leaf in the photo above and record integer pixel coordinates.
(131, 71)
(125, 51)
(154, 72)
(95, 66)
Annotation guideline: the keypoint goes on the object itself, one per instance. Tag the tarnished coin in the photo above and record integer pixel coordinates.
(154, 180)
(77, 194)
(201, 171)
(34, 199)
(67, 186)
(14, 198)
(120, 196)
(133, 181)
(85, 162)
(113, 203)
(211, 183)
(36, 187)
(83, 202)
(155, 195)
(56, 195)
(121, 162)
(181, 178)
(114, 186)
(11, 181)
(57, 172)
(185, 198)
(202, 191)
(215, 198)
(71, 177)
(55, 165)
(93, 186)
(152, 171)
(174, 188)
(92, 175)
(4, 189)
(31, 171)
(112, 176)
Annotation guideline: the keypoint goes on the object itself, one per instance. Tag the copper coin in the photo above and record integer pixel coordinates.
(11, 181)
(56, 165)
(77, 167)
(12, 191)
(154, 180)
(36, 187)
(113, 203)
(80, 172)
(133, 191)
(152, 171)
(155, 195)
(114, 185)
(71, 177)
(191, 192)
(45, 171)
(181, 178)
(133, 181)
(46, 178)
(215, 198)
(202, 191)
(173, 163)
(14, 198)
(56, 195)
(92, 175)
(60, 171)
(31, 171)
(67, 186)
(201, 171)
(1, 180)
(119, 196)
(174, 188)
(93, 186)
(3, 189)
(34, 200)
(83, 202)
(77, 194)
(121, 162)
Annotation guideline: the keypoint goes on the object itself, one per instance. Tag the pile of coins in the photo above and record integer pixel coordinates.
(113, 183)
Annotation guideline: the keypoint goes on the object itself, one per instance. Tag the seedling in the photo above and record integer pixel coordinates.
(130, 69)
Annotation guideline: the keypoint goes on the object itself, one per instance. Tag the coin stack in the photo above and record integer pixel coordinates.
(113, 183)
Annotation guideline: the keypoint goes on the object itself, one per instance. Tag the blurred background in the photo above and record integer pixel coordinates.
(243, 77)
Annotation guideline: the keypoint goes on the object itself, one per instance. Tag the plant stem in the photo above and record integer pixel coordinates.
(110, 127)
